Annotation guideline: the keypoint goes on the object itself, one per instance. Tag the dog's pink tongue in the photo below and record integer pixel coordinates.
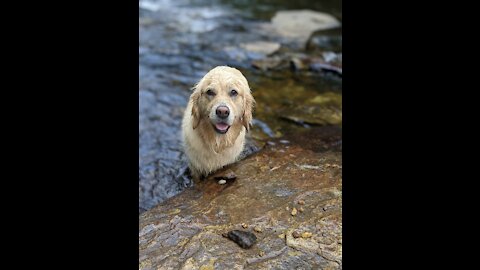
(221, 126)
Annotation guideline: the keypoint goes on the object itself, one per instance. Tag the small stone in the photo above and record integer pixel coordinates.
(261, 253)
(222, 182)
(296, 234)
(257, 229)
(287, 208)
(242, 238)
(306, 235)
(294, 211)
(244, 225)
(282, 236)
(301, 209)
(301, 202)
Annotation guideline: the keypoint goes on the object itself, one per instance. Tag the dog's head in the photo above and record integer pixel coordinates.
(222, 99)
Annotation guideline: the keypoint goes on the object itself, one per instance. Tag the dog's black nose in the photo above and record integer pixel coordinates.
(222, 111)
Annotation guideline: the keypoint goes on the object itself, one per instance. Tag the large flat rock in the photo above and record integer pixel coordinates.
(185, 231)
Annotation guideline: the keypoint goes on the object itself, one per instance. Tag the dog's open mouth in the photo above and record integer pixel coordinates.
(221, 128)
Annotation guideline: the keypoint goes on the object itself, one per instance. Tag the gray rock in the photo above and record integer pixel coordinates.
(243, 238)
(262, 47)
(300, 24)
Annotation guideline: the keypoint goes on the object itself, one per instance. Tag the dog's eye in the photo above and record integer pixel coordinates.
(210, 92)
(233, 93)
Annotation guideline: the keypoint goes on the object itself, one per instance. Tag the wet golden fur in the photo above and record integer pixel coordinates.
(207, 150)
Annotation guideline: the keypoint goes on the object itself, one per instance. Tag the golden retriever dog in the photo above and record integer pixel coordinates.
(218, 115)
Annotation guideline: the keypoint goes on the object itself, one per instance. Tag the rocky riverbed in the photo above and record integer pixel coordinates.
(296, 139)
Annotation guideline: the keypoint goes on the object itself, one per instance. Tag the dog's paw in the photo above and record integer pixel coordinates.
(225, 175)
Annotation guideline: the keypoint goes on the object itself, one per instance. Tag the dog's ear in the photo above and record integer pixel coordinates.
(249, 103)
(195, 110)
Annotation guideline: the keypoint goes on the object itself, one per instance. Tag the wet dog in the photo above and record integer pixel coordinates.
(218, 115)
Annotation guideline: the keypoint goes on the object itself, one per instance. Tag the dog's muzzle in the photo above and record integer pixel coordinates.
(221, 119)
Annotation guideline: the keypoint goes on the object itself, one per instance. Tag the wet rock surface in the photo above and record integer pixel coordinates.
(313, 115)
(186, 230)
(299, 62)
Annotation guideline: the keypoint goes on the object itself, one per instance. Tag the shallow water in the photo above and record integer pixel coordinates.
(182, 40)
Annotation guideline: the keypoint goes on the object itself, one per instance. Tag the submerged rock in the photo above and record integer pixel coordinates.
(323, 109)
(328, 98)
(313, 115)
(242, 238)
